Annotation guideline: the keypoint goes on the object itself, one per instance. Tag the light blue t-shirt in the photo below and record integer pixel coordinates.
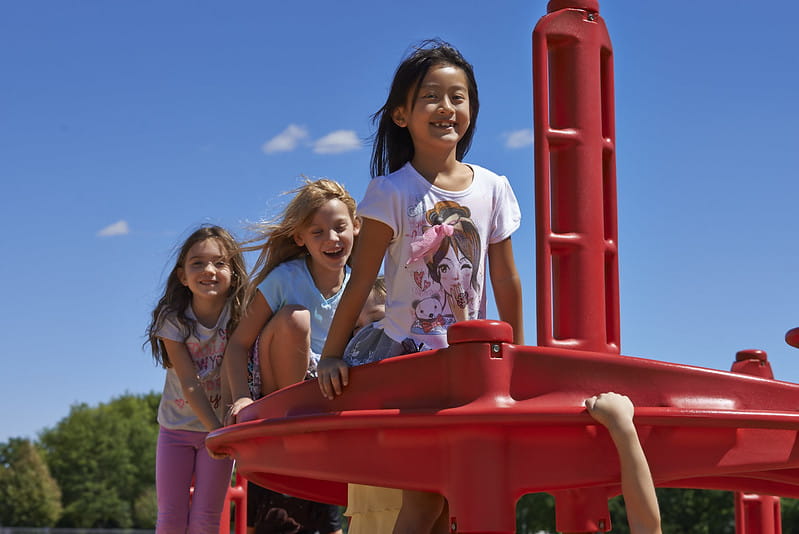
(291, 283)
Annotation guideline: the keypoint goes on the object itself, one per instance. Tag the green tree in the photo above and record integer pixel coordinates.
(683, 511)
(692, 511)
(104, 460)
(29, 496)
(535, 512)
(145, 509)
(790, 516)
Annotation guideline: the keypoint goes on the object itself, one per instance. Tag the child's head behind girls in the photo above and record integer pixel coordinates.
(318, 222)
(433, 97)
(209, 269)
(374, 308)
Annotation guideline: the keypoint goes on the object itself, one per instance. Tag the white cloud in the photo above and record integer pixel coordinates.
(118, 228)
(337, 142)
(286, 140)
(519, 139)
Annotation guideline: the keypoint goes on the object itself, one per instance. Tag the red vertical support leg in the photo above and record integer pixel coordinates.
(755, 514)
(576, 212)
(584, 510)
(224, 522)
(236, 494)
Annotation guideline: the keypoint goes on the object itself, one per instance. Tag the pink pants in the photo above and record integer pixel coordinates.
(180, 457)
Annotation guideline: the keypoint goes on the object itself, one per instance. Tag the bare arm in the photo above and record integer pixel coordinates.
(193, 390)
(615, 412)
(234, 362)
(366, 259)
(507, 287)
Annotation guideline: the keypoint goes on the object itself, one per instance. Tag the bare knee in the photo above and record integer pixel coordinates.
(420, 512)
(291, 320)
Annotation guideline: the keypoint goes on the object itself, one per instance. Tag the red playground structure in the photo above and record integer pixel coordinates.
(484, 421)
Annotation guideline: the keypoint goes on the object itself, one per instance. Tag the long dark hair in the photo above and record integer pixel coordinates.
(392, 146)
(177, 297)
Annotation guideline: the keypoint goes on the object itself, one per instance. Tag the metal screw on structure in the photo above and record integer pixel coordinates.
(592, 16)
(453, 526)
(495, 347)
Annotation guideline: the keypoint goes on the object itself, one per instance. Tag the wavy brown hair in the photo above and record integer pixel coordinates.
(177, 297)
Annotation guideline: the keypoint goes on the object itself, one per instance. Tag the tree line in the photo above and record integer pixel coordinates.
(96, 469)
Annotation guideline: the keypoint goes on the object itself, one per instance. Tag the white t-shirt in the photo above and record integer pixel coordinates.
(447, 283)
(206, 347)
(291, 283)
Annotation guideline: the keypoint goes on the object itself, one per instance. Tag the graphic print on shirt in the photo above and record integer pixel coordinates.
(207, 360)
(443, 256)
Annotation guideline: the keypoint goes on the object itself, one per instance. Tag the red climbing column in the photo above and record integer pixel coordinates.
(575, 168)
(576, 213)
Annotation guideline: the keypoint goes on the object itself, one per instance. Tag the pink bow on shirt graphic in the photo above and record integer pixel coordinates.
(429, 241)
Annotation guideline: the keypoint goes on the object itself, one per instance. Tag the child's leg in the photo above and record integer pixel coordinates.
(284, 348)
(254, 499)
(211, 482)
(174, 467)
(419, 513)
(371, 509)
(442, 525)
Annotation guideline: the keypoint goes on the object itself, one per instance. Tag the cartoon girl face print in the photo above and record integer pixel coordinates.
(452, 264)
(455, 272)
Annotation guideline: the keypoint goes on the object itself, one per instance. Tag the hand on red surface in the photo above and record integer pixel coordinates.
(235, 408)
(334, 375)
(615, 412)
(612, 410)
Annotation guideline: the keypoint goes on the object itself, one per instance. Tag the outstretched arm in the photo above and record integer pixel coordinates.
(234, 362)
(507, 286)
(615, 412)
(373, 240)
(193, 390)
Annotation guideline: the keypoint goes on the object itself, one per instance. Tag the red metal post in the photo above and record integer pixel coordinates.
(575, 167)
(576, 211)
(752, 362)
(755, 514)
(237, 494)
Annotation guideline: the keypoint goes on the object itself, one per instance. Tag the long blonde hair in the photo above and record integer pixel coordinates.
(276, 237)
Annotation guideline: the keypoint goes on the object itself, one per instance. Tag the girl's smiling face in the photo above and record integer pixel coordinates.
(206, 270)
(439, 114)
(329, 236)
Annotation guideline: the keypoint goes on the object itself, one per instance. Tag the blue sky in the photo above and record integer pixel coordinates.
(126, 124)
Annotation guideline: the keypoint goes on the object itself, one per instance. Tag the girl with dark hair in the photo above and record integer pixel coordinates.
(434, 222)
